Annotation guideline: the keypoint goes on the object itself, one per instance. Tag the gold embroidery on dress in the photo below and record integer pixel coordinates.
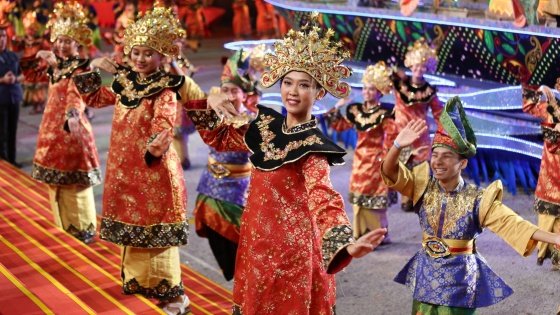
(131, 93)
(457, 206)
(267, 147)
(59, 73)
(364, 120)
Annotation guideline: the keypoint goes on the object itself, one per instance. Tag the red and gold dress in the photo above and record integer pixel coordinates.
(61, 158)
(144, 198)
(547, 194)
(412, 102)
(294, 229)
(241, 19)
(368, 194)
(64, 160)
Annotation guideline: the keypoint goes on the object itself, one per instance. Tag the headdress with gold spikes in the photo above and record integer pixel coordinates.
(70, 19)
(421, 53)
(312, 51)
(379, 75)
(256, 58)
(158, 29)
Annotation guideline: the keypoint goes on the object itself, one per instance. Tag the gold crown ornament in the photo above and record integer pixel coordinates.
(70, 19)
(313, 51)
(421, 53)
(379, 75)
(158, 29)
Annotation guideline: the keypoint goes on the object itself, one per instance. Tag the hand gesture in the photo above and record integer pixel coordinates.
(74, 126)
(220, 103)
(48, 56)
(105, 63)
(8, 78)
(413, 130)
(161, 143)
(367, 243)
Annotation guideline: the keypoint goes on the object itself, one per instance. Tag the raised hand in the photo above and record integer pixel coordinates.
(220, 103)
(74, 126)
(161, 143)
(413, 130)
(367, 243)
(48, 56)
(105, 63)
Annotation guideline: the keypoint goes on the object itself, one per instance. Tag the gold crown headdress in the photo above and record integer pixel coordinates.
(158, 29)
(379, 75)
(70, 19)
(421, 53)
(256, 57)
(312, 51)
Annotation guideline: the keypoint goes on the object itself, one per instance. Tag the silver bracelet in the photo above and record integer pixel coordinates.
(396, 144)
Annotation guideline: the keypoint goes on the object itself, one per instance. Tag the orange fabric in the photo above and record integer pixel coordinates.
(405, 113)
(266, 18)
(56, 148)
(370, 150)
(241, 19)
(279, 268)
(548, 186)
(158, 194)
(190, 12)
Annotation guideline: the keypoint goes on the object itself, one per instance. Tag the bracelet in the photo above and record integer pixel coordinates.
(396, 144)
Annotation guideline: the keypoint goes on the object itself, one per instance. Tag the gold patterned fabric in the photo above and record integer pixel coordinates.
(132, 88)
(273, 145)
(63, 158)
(144, 205)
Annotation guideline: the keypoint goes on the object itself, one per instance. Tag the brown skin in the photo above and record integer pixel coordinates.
(418, 71)
(371, 96)
(235, 94)
(447, 168)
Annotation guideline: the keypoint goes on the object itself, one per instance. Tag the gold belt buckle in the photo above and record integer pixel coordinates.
(218, 170)
(436, 247)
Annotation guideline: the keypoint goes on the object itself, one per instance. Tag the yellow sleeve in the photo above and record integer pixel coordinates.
(503, 221)
(190, 91)
(410, 183)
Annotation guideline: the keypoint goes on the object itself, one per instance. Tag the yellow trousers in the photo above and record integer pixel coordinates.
(74, 210)
(152, 272)
(551, 224)
(366, 220)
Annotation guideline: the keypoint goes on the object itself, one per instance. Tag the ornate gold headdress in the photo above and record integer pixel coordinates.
(380, 76)
(421, 53)
(312, 51)
(70, 19)
(256, 56)
(158, 29)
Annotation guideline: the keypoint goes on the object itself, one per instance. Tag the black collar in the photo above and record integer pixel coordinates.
(273, 145)
(412, 94)
(66, 67)
(364, 121)
(132, 88)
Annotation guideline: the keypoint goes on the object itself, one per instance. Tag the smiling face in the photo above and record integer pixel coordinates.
(447, 165)
(66, 46)
(299, 91)
(145, 60)
(370, 93)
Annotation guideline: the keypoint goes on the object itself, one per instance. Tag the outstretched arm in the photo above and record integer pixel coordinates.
(413, 130)
(547, 237)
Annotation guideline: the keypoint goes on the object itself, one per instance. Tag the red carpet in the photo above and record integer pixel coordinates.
(45, 270)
